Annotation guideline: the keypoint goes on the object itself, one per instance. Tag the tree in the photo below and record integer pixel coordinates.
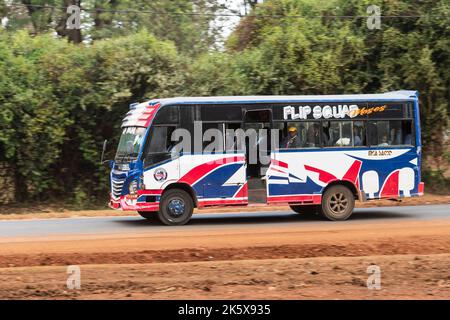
(187, 23)
(312, 54)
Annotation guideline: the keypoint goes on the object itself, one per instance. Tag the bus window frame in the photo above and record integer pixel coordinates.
(409, 111)
(413, 133)
(149, 136)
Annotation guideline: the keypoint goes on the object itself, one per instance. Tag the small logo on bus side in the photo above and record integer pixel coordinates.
(160, 174)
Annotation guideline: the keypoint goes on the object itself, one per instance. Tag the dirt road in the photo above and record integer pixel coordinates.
(260, 255)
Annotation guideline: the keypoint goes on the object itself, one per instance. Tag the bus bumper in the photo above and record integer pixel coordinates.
(421, 188)
(135, 203)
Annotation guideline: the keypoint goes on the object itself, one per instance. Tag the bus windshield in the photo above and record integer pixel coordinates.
(130, 143)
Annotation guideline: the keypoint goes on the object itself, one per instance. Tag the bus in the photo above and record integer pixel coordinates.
(318, 154)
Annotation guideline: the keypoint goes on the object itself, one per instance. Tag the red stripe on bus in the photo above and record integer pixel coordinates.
(279, 163)
(352, 173)
(200, 171)
(312, 198)
(390, 186)
(324, 176)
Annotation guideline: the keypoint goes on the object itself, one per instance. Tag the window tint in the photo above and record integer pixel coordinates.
(160, 140)
(221, 113)
(359, 133)
(390, 133)
(231, 140)
(160, 147)
(385, 110)
(167, 115)
(212, 134)
(338, 133)
(304, 134)
(258, 116)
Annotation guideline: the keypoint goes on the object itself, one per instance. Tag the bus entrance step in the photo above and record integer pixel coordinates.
(256, 183)
(257, 196)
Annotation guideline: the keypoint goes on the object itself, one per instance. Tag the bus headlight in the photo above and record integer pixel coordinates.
(123, 167)
(134, 186)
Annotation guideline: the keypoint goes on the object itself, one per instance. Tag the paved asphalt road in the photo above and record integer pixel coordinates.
(131, 224)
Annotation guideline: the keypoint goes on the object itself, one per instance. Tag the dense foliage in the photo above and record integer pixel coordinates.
(60, 99)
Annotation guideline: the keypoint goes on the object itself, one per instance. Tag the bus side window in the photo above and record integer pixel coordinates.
(213, 139)
(158, 140)
(231, 141)
(359, 133)
(407, 133)
(300, 134)
(161, 144)
(390, 133)
(339, 133)
(379, 133)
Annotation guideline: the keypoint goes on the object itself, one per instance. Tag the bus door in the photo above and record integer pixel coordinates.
(225, 182)
(258, 145)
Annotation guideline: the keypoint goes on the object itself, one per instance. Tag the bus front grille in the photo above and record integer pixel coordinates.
(117, 186)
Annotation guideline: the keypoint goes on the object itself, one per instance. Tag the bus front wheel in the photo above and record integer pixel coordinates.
(337, 203)
(175, 208)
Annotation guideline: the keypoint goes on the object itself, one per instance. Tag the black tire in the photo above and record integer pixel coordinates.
(149, 215)
(337, 203)
(309, 209)
(175, 208)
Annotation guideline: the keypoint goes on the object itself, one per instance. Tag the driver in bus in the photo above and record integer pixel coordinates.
(292, 140)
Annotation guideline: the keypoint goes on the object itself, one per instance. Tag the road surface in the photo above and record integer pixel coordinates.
(127, 224)
(264, 255)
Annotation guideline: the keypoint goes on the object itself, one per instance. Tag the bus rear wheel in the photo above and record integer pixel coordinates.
(175, 208)
(305, 209)
(337, 203)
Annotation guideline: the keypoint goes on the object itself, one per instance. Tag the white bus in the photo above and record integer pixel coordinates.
(319, 154)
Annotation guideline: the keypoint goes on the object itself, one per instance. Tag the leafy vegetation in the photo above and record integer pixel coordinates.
(61, 95)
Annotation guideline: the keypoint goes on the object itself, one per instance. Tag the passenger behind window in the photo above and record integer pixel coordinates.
(344, 141)
(408, 139)
(407, 131)
(292, 140)
(384, 141)
(313, 136)
(344, 130)
(395, 133)
(357, 136)
(334, 136)
(326, 134)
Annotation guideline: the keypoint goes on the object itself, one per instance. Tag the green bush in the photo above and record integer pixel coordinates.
(435, 181)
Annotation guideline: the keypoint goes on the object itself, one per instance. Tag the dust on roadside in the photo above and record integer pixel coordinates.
(402, 277)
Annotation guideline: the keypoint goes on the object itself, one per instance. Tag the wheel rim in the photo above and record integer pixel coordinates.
(176, 207)
(338, 203)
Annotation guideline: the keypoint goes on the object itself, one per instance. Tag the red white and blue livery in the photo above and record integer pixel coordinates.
(325, 153)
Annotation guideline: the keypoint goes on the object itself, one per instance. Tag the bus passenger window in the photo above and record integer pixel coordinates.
(340, 133)
(161, 139)
(379, 133)
(161, 147)
(390, 133)
(407, 132)
(359, 134)
(313, 135)
(395, 133)
(293, 136)
(231, 141)
(212, 134)
(305, 134)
